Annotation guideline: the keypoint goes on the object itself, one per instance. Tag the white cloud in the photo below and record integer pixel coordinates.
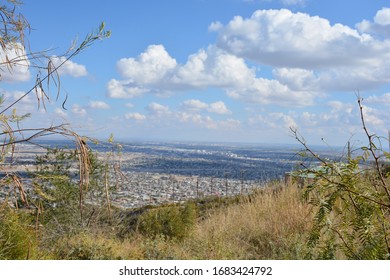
(98, 105)
(215, 26)
(218, 107)
(69, 68)
(14, 64)
(295, 40)
(340, 107)
(274, 120)
(383, 99)
(208, 68)
(158, 109)
(135, 116)
(194, 105)
(198, 120)
(60, 113)
(309, 55)
(379, 26)
(309, 119)
(264, 91)
(286, 120)
(26, 105)
(78, 110)
(213, 68)
(296, 78)
(371, 116)
(124, 89)
(191, 113)
(382, 17)
(207, 122)
(149, 67)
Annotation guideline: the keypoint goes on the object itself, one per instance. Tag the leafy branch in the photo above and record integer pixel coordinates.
(352, 212)
(51, 69)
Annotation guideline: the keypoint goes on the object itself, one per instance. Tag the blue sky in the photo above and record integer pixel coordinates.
(215, 70)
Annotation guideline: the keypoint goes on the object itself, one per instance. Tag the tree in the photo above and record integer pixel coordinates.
(15, 54)
(16, 58)
(351, 199)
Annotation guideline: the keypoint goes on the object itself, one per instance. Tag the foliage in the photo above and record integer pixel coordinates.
(62, 178)
(62, 208)
(84, 246)
(169, 221)
(352, 203)
(13, 28)
(17, 239)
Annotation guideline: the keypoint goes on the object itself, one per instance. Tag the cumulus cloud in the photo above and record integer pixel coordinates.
(14, 64)
(379, 26)
(309, 56)
(282, 38)
(158, 109)
(211, 67)
(286, 120)
(190, 112)
(265, 91)
(98, 105)
(124, 89)
(218, 107)
(215, 26)
(308, 53)
(296, 78)
(372, 116)
(309, 119)
(79, 110)
(207, 122)
(60, 113)
(273, 120)
(338, 106)
(382, 99)
(149, 67)
(135, 116)
(26, 105)
(69, 68)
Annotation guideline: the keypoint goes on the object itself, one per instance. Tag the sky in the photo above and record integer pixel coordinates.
(213, 70)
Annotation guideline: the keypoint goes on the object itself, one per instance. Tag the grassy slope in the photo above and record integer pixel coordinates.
(267, 225)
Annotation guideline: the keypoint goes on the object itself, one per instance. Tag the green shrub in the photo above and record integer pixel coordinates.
(351, 199)
(85, 246)
(169, 221)
(17, 238)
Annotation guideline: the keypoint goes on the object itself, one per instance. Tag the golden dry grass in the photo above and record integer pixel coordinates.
(271, 225)
(267, 225)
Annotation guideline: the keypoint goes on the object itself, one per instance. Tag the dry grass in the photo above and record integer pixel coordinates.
(267, 225)
(271, 225)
